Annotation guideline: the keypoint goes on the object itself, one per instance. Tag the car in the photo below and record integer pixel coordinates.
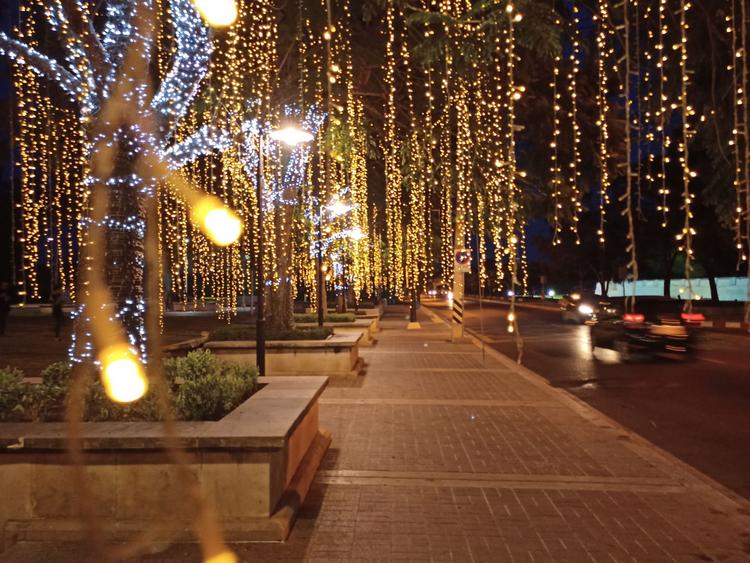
(654, 327)
(579, 307)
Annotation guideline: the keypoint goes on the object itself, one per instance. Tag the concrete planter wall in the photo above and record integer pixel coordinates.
(368, 327)
(256, 465)
(337, 356)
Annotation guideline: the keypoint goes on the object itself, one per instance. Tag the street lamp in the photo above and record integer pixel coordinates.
(290, 136)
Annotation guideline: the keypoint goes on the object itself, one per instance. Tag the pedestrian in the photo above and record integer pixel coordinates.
(4, 306)
(58, 299)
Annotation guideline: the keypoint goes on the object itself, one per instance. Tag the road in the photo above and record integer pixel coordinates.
(698, 410)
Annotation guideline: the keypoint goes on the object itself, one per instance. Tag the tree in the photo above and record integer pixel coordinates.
(91, 57)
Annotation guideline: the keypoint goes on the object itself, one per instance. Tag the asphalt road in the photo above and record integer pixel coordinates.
(698, 410)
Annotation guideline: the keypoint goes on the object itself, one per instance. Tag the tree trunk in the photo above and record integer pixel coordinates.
(280, 305)
(125, 246)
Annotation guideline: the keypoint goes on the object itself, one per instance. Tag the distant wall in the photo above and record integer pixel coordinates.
(730, 289)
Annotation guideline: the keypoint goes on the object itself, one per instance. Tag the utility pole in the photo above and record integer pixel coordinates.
(457, 323)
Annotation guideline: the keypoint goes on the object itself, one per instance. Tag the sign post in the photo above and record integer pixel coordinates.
(461, 265)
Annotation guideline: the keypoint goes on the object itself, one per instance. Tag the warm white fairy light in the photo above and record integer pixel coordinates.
(604, 54)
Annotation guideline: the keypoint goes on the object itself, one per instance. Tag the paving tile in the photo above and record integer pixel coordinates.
(441, 454)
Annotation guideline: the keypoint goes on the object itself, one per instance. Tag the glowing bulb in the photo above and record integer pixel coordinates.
(220, 224)
(223, 557)
(217, 13)
(338, 207)
(122, 374)
(356, 234)
(291, 136)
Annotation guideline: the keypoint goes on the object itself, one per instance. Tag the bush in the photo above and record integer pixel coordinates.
(235, 332)
(210, 388)
(100, 408)
(57, 374)
(245, 332)
(12, 394)
(200, 386)
(329, 318)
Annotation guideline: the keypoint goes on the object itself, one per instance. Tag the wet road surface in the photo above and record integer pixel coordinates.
(698, 409)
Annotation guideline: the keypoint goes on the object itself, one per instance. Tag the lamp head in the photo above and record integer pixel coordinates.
(217, 13)
(291, 135)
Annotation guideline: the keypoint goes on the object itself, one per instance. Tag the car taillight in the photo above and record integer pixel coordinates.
(633, 318)
(693, 317)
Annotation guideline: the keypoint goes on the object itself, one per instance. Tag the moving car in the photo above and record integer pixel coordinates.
(579, 307)
(655, 327)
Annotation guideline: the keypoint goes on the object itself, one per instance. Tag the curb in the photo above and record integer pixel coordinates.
(693, 480)
(721, 324)
(735, 325)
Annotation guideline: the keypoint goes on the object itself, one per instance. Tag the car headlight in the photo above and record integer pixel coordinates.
(585, 310)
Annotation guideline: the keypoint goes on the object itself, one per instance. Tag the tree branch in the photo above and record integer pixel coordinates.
(193, 49)
(40, 64)
(204, 141)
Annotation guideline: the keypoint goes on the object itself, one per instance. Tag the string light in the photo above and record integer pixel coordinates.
(392, 150)
(605, 52)
(122, 375)
(663, 102)
(627, 197)
(686, 236)
(575, 164)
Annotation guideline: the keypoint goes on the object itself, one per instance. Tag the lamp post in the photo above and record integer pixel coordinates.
(290, 136)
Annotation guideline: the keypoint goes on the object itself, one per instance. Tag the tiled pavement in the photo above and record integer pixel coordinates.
(442, 454)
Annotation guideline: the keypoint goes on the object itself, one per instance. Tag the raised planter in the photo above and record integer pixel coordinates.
(368, 326)
(337, 356)
(182, 348)
(255, 465)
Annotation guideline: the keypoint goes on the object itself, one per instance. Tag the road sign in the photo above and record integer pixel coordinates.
(463, 260)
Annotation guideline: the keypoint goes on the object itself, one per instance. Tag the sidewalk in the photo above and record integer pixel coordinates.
(441, 454)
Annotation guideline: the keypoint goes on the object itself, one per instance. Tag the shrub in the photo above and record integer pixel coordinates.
(244, 332)
(329, 318)
(210, 388)
(316, 333)
(196, 365)
(235, 332)
(200, 386)
(44, 402)
(57, 374)
(100, 408)
(12, 394)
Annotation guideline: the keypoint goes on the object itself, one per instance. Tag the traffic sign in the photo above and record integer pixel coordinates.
(463, 260)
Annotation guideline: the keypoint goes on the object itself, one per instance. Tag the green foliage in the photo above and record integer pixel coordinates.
(100, 408)
(245, 332)
(329, 318)
(234, 332)
(212, 397)
(200, 386)
(317, 333)
(12, 393)
(22, 401)
(537, 34)
(57, 374)
(44, 402)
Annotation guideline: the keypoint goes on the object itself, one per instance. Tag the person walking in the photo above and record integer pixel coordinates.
(4, 306)
(58, 299)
